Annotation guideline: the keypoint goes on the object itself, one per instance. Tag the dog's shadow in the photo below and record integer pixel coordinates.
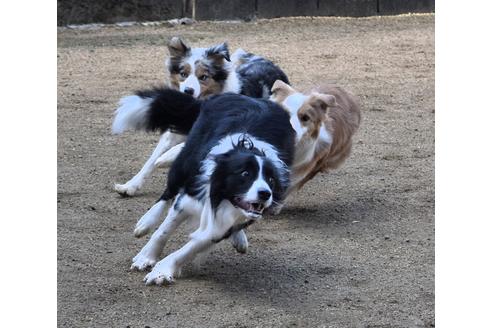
(334, 212)
(270, 275)
(265, 278)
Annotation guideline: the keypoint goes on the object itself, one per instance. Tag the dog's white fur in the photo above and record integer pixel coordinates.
(152, 250)
(131, 110)
(133, 106)
(212, 226)
(293, 103)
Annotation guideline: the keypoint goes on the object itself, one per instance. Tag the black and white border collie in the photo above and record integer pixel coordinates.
(202, 72)
(234, 165)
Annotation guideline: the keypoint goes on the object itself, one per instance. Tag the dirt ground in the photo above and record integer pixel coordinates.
(354, 248)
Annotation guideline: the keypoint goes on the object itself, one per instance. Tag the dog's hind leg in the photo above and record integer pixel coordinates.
(166, 159)
(178, 213)
(166, 141)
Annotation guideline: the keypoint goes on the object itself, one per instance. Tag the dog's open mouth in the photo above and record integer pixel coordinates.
(253, 208)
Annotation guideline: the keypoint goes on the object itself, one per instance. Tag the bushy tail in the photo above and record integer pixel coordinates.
(158, 109)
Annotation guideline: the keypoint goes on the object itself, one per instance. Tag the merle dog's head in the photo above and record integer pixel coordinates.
(308, 113)
(248, 179)
(200, 72)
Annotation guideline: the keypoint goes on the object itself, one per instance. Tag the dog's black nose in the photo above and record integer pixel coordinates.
(189, 91)
(264, 194)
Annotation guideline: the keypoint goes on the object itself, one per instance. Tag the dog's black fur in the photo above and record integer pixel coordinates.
(233, 167)
(207, 122)
(169, 110)
(257, 76)
(201, 72)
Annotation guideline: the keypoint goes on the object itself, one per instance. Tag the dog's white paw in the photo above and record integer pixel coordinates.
(142, 228)
(146, 258)
(164, 272)
(239, 241)
(150, 220)
(127, 189)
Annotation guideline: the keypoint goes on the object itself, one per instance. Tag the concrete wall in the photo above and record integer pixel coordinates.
(111, 11)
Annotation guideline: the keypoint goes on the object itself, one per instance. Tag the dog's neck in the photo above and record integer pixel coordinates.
(232, 83)
(305, 151)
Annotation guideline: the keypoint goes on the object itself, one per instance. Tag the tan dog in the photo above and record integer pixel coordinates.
(325, 119)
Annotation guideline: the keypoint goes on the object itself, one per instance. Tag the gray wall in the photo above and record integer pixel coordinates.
(111, 11)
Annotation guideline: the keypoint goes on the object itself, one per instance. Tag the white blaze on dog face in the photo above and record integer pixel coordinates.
(188, 81)
(307, 112)
(259, 187)
(200, 72)
(291, 100)
(249, 177)
(308, 117)
(190, 85)
(182, 66)
(293, 103)
(258, 195)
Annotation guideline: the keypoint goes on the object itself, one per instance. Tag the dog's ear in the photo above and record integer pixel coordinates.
(322, 101)
(177, 48)
(219, 52)
(280, 90)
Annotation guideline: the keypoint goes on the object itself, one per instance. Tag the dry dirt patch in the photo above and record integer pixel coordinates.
(355, 248)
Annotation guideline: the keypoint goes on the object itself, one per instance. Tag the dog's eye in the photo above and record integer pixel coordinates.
(304, 118)
(244, 173)
(203, 78)
(271, 181)
(183, 74)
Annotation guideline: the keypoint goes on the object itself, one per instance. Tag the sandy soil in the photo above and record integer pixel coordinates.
(355, 248)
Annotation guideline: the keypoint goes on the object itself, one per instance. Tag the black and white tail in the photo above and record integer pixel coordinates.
(158, 109)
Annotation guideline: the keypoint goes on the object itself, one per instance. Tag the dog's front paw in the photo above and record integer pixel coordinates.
(239, 241)
(163, 272)
(146, 258)
(127, 189)
(150, 220)
(142, 227)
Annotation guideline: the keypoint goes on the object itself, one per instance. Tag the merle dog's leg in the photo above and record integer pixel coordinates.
(166, 159)
(166, 141)
(182, 208)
